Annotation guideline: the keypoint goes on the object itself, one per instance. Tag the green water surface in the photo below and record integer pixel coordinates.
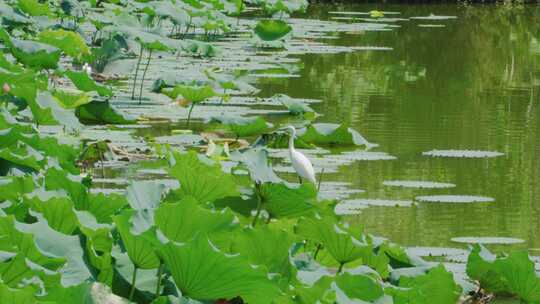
(472, 84)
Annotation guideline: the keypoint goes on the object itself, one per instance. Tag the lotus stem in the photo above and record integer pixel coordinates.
(259, 206)
(144, 75)
(136, 72)
(187, 27)
(223, 96)
(160, 272)
(320, 180)
(101, 162)
(189, 113)
(340, 267)
(133, 280)
(319, 246)
(239, 12)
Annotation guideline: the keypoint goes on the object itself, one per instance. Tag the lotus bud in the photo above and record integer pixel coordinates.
(6, 88)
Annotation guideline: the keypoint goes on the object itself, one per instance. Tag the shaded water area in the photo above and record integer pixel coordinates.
(411, 86)
(473, 84)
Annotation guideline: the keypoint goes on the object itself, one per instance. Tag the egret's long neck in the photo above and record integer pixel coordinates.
(291, 141)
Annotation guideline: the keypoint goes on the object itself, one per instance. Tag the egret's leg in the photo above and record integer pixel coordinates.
(300, 179)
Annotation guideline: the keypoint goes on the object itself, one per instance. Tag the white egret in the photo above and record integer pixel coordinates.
(300, 162)
(87, 68)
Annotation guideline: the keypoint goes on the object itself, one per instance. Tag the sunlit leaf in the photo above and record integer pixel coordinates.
(270, 29)
(69, 42)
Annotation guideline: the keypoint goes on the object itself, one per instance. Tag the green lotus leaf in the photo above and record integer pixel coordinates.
(58, 211)
(102, 112)
(206, 182)
(103, 207)
(22, 155)
(148, 39)
(513, 274)
(332, 134)
(244, 126)
(281, 140)
(72, 8)
(144, 194)
(17, 271)
(202, 272)
(193, 94)
(343, 288)
(35, 54)
(87, 293)
(47, 111)
(230, 81)
(69, 42)
(182, 221)
(71, 99)
(257, 162)
(270, 30)
(17, 295)
(139, 249)
(23, 243)
(19, 139)
(176, 14)
(58, 179)
(269, 248)
(9, 66)
(200, 48)
(293, 106)
(289, 6)
(24, 85)
(360, 287)
(281, 200)
(337, 240)
(7, 13)
(436, 286)
(84, 83)
(34, 8)
(398, 257)
(12, 187)
(146, 280)
(56, 244)
(98, 245)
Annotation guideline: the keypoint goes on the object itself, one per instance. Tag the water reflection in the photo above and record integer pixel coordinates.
(471, 85)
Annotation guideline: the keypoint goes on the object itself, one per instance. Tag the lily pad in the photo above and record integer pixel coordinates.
(377, 202)
(487, 240)
(454, 199)
(462, 153)
(417, 184)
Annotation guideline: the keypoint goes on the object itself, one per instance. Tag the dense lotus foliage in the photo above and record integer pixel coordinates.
(241, 235)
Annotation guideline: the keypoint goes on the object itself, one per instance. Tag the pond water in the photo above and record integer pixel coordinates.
(471, 83)
(453, 103)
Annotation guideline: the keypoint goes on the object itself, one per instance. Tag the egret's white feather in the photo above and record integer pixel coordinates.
(301, 164)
